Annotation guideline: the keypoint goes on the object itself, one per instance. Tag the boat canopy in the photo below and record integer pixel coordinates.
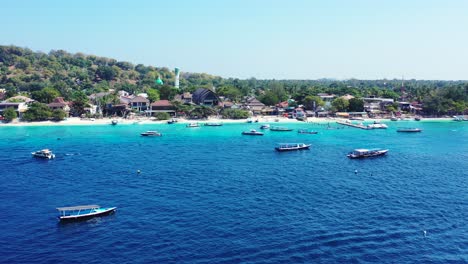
(80, 207)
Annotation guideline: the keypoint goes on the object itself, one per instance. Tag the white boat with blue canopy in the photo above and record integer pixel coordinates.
(83, 212)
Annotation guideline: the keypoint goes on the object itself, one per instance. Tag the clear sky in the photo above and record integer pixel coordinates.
(265, 39)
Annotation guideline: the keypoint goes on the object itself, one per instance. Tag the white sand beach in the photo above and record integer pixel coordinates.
(72, 121)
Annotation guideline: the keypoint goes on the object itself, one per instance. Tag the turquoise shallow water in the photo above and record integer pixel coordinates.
(210, 194)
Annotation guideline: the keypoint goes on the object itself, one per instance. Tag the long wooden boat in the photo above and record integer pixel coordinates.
(151, 133)
(409, 129)
(83, 212)
(213, 124)
(366, 153)
(252, 132)
(282, 129)
(291, 146)
(304, 131)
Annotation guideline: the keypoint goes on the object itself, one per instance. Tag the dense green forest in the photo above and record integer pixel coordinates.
(43, 76)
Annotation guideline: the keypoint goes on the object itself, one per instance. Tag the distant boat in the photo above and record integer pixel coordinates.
(266, 126)
(357, 118)
(193, 125)
(304, 131)
(377, 125)
(151, 133)
(213, 124)
(276, 128)
(172, 121)
(83, 212)
(394, 118)
(252, 132)
(417, 118)
(366, 153)
(409, 129)
(43, 154)
(292, 146)
(114, 122)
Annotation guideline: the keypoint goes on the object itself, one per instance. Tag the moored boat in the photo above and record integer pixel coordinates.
(282, 129)
(193, 125)
(409, 129)
(83, 212)
(366, 153)
(213, 124)
(377, 126)
(172, 121)
(291, 146)
(114, 122)
(266, 126)
(252, 132)
(305, 131)
(151, 133)
(43, 154)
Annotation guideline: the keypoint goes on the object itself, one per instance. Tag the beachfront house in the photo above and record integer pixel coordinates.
(254, 105)
(61, 104)
(162, 106)
(327, 98)
(205, 97)
(18, 103)
(185, 98)
(374, 105)
(139, 103)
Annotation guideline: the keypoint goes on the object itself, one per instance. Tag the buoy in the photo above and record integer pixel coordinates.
(138, 171)
(355, 171)
(425, 233)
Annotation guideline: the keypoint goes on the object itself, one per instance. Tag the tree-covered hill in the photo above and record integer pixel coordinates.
(60, 73)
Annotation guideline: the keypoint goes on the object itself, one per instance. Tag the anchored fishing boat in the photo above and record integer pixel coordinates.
(366, 153)
(151, 133)
(252, 132)
(292, 146)
(82, 212)
(409, 129)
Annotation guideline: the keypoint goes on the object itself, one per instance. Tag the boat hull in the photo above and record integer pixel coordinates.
(377, 154)
(292, 149)
(70, 218)
(252, 134)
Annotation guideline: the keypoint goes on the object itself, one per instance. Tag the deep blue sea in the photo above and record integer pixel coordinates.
(211, 195)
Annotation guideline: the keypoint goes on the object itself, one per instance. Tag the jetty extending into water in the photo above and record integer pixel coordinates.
(353, 125)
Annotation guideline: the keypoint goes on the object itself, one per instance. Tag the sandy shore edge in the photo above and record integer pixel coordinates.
(75, 121)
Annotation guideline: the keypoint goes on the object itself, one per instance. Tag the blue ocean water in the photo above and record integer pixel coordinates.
(211, 195)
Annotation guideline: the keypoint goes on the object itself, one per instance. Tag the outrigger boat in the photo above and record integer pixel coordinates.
(366, 153)
(213, 124)
(44, 154)
(409, 129)
(275, 128)
(151, 133)
(252, 132)
(193, 125)
(291, 146)
(304, 131)
(83, 212)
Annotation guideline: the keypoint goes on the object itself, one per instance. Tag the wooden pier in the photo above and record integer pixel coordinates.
(352, 125)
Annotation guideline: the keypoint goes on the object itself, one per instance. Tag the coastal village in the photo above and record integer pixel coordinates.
(130, 106)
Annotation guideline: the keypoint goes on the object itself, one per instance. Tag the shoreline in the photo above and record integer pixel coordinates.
(76, 121)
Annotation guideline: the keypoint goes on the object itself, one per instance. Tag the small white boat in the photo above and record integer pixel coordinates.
(151, 133)
(266, 126)
(43, 154)
(114, 122)
(292, 146)
(193, 125)
(377, 126)
(252, 132)
(83, 212)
